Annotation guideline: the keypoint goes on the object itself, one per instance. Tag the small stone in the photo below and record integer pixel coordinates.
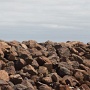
(30, 70)
(16, 79)
(45, 87)
(47, 80)
(4, 75)
(42, 71)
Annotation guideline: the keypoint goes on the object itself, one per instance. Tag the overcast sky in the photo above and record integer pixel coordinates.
(56, 20)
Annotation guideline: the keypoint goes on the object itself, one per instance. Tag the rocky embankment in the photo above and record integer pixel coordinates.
(44, 66)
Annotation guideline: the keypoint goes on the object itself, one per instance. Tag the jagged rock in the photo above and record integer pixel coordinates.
(28, 84)
(30, 65)
(30, 70)
(16, 79)
(41, 60)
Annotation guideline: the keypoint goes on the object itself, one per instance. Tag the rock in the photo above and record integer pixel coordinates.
(16, 79)
(10, 68)
(42, 71)
(35, 53)
(49, 66)
(25, 54)
(20, 87)
(63, 52)
(79, 76)
(2, 64)
(44, 87)
(2, 82)
(86, 63)
(70, 80)
(6, 87)
(77, 58)
(19, 64)
(30, 70)
(32, 44)
(35, 64)
(28, 84)
(62, 71)
(55, 77)
(84, 87)
(47, 80)
(4, 75)
(24, 46)
(41, 60)
(1, 54)
(63, 87)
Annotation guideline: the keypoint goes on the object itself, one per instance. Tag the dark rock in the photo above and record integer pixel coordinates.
(16, 79)
(55, 77)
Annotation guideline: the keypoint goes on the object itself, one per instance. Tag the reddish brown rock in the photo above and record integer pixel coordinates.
(30, 70)
(41, 60)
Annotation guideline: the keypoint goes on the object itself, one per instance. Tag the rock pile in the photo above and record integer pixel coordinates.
(44, 66)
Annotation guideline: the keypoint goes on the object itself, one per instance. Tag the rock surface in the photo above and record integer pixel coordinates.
(30, 65)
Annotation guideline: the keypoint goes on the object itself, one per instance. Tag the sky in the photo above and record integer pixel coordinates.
(42, 20)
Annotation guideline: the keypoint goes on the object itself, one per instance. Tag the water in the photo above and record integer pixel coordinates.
(42, 20)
